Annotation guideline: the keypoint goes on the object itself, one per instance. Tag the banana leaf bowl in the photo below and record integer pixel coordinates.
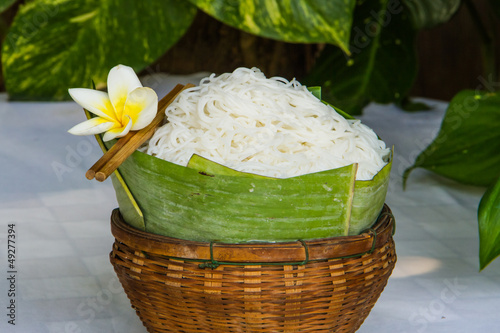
(205, 201)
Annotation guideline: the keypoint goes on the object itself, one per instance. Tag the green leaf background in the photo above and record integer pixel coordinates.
(467, 147)
(297, 21)
(54, 45)
(383, 64)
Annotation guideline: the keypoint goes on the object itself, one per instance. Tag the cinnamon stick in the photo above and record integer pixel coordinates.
(90, 174)
(125, 146)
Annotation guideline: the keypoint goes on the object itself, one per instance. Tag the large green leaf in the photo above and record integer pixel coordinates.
(57, 44)
(429, 13)
(382, 67)
(192, 204)
(4, 4)
(467, 147)
(298, 21)
(489, 225)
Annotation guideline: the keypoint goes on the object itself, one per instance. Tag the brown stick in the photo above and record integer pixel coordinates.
(90, 174)
(114, 157)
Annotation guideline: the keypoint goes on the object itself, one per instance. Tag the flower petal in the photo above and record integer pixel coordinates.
(95, 101)
(141, 106)
(92, 126)
(118, 132)
(121, 81)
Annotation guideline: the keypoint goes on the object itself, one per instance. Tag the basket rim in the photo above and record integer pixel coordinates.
(257, 252)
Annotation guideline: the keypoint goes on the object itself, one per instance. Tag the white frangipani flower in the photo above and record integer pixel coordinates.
(128, 106)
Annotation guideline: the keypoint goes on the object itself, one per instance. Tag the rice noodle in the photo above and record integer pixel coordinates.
(271, 127)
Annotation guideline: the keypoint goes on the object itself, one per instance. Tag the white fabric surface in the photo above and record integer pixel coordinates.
(65, 282)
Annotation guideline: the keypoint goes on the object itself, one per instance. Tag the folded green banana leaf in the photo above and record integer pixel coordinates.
(186, 203)
(369, 195)
(369, 198)
(206, 201)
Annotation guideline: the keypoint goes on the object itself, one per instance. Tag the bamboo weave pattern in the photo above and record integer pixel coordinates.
(330, 295)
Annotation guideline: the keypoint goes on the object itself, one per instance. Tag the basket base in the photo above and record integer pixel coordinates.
(176, 295)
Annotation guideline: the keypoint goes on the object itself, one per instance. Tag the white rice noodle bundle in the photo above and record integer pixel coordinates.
(271, 127)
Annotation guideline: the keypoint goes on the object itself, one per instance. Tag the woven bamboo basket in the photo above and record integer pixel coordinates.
(323, 285)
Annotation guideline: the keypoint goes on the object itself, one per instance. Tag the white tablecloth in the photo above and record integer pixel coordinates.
(65, 283)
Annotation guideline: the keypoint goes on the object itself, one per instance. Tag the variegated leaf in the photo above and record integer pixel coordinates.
(53, 45)
(298, 21)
